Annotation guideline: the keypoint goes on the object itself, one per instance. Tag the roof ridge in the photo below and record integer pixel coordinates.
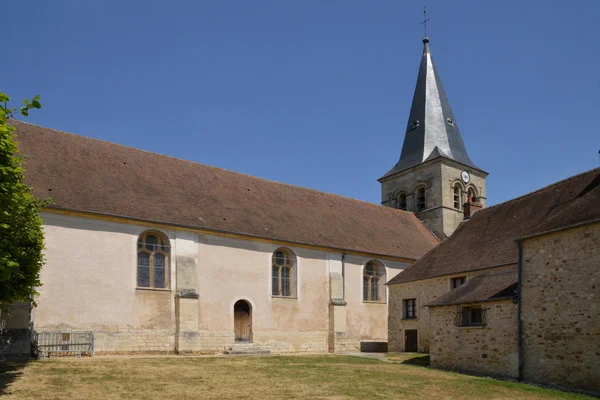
(537, 190)
(219, 168)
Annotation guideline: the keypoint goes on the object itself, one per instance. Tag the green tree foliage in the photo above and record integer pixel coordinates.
(21, 234)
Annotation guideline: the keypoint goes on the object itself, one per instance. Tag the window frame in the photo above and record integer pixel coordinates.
(405, 303)
(470, 190)
(453, 281)
(162, 247)
(290, 263)
(401, 200)
(457, 196)
(374, 281)
(464, 317)
(420, 199)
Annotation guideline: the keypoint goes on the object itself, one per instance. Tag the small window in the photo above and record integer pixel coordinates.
(456, 282)
(374, 281)
(457, 197)
(470, 316)
(414, 125)
(410, 308)
(283, 273)
(420, 199)
(153, 260)
(402, 201)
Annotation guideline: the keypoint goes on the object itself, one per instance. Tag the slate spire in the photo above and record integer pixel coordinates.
(432, 130)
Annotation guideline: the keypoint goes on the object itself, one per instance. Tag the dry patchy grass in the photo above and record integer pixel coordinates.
(295, 377)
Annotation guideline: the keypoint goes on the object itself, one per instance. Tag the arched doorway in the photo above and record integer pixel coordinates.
(242, 321)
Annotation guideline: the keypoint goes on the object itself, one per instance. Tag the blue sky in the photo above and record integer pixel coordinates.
(315, 93)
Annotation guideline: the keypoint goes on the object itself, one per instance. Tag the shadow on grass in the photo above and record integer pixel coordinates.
(10, 371)
(418, 360)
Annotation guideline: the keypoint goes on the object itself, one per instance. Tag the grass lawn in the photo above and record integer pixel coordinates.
(278, 377)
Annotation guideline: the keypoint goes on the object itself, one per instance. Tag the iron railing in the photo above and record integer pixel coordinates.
(470, 316)
(76, 343)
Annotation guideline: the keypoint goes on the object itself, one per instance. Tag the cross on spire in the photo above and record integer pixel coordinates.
(425, 19)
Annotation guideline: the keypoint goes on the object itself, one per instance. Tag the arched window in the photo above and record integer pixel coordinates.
(284, 273)
(374, 281)
(153, 260)
(420, 199)
(471, 194)
(402, 201)
(458, 196)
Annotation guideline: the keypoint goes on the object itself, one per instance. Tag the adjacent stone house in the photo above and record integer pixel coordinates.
(514, 292)
(475, 325)
(153, 253)
(560, 295)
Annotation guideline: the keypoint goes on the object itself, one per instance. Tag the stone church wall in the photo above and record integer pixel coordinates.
(561, 308)
(490, 350)
(90, 279)
(424, 291)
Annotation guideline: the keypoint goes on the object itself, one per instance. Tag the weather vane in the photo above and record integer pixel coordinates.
(425, 19)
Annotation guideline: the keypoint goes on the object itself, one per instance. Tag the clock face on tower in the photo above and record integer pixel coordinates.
(465, 176)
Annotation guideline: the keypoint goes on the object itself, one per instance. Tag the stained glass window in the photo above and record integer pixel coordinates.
(374, 281)
(153, 261)
(284, 273)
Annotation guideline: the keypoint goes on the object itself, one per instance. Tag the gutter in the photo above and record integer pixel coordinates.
(519, 311)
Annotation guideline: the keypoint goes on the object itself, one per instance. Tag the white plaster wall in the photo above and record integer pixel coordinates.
(231, 269)
(89, 278)
(89, 283)
(366, 320)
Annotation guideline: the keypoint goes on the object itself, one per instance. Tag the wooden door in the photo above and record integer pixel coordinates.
(410, 341)
(242, 321)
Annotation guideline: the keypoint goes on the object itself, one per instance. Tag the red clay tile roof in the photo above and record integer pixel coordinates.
(90, 175)
(488, 238)
(486, 287)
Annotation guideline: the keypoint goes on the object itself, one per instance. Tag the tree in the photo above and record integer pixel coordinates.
(21, 233)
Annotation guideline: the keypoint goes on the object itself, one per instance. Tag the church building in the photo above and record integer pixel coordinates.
(156, 254)
(153, 253)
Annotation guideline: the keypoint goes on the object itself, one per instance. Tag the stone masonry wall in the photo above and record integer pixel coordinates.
(561, 308)
(490, 350)
(439, 179)
(424, 291)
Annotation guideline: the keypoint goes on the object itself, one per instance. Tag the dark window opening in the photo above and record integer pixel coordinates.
(471, 194)
(410, 308)
(402, 202)
(420, 199)
(470, 316)
(457, 196)
(456, 282)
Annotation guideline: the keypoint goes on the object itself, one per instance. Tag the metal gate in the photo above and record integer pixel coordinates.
(76, 343)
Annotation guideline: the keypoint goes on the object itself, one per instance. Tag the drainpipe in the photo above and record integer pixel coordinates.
(519, 301)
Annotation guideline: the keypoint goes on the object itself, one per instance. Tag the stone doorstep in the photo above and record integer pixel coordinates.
(245, 349)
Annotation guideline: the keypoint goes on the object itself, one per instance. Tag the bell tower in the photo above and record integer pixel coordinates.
(434, 176)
